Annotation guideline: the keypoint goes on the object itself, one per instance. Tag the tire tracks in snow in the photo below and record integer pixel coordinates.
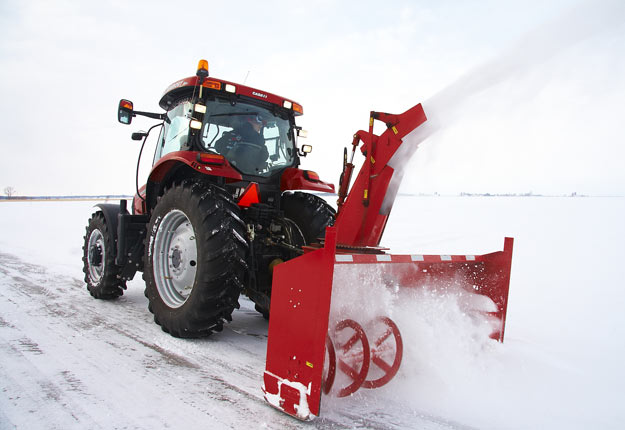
(44, 323)
(85, 363)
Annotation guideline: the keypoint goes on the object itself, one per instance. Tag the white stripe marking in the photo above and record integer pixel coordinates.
(470, 257)
(344, 258)
(416, 257)
(445, 257)
(383, 257)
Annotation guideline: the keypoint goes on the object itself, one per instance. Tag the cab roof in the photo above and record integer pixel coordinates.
(183, 86)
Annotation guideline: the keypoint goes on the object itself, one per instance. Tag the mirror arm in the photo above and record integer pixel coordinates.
(160, 116)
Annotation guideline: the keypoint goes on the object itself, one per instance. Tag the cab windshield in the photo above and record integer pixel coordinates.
(253, 139)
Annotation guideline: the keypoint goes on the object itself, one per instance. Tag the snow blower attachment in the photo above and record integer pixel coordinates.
(331, 329)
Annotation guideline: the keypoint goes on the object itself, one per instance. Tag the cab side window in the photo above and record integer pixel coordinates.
(176, 135)
(176, 131)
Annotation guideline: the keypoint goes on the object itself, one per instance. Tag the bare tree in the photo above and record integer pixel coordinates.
(9, 191)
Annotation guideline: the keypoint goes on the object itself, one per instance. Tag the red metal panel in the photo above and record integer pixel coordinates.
(300, 305)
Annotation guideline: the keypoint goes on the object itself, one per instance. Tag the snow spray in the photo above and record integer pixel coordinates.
(574, 25)
(445, 330)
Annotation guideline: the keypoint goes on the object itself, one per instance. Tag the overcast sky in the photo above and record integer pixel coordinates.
(526, 96)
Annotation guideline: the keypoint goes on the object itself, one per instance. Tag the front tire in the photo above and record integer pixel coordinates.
(101, 274)
(195, 260)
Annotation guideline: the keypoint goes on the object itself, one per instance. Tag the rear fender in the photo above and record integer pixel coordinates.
(110, 212)
(138, 202)
(163, 170)
(297, 179)
(189, 158)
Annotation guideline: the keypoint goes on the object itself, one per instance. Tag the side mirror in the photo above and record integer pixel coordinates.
(302, 133)
(305, 150)
(125, 111)
(139, 135)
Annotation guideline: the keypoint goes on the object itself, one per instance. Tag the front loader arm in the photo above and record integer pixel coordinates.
(364, 211)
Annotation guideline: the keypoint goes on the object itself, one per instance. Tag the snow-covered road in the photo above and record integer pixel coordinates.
(68, 361)
(73, 362)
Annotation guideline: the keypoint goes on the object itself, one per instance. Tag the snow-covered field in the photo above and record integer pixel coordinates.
(69, 361)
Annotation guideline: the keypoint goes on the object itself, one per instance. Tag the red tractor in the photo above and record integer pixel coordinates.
(223, 213)
(219, 210)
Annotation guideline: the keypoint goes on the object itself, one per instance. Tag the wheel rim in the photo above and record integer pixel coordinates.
(175, 258)
(96, 256)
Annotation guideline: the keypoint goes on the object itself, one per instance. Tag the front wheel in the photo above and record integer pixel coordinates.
(101, 274)
(195, 260)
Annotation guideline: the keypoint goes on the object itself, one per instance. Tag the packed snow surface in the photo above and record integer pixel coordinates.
(70, 361)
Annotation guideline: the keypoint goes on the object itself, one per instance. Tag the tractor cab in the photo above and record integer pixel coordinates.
(253, 139)
(228, 134)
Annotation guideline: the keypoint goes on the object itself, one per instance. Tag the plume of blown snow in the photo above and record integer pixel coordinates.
(576, 24)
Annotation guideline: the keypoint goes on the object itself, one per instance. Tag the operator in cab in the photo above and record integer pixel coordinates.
(244, 146)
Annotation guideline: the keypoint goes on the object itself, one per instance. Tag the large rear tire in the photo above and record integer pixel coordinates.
(195, 260)
(310, 212)
(101, 273)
